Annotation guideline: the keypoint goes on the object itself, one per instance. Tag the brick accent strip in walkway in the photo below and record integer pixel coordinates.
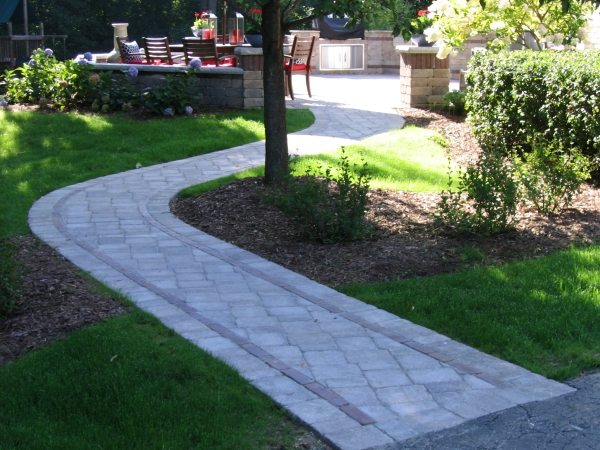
(359, 376)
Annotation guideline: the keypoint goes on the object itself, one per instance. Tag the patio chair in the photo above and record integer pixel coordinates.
(158, 50)
(298, 62)
(206, 51)
(130, 51)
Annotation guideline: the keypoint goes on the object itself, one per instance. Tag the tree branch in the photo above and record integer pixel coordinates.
(292, 5)
(289, 25)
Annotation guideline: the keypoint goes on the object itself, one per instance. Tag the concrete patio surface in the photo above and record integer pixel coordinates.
(360, 377)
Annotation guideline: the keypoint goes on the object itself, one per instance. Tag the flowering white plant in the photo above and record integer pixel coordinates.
(510, 20)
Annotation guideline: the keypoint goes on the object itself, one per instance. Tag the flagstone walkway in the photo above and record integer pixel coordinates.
(359, 376)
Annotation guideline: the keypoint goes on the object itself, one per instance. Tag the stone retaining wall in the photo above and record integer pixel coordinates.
(239, 87)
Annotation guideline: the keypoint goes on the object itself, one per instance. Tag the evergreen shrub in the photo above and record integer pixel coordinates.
(516, 98)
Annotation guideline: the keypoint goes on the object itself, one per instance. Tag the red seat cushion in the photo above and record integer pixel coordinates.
(212, 63)
(295, 67)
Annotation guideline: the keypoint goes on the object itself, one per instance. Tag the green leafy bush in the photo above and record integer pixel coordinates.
(66, 84)
(550, 177)
(514, 98)
(329, 209)
(173, 96)
(10, 277)
(454, 102)
(485, 200)
(113, 93)
(33, 81)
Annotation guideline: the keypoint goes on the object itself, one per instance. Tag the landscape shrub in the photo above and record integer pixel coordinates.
(454, 102)
(38, 79)
(485, 199)
(176, 93)
(549, 177)
(329, 208)
(515, 98)
(70, 83)
(10, 277)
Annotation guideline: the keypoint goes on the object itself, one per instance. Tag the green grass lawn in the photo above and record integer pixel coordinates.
(408, 159)
(542, 314)
(129, 382)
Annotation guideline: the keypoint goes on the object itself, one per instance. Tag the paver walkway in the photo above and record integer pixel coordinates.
(359, 376)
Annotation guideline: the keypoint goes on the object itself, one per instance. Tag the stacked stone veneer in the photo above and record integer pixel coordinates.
(251, 61)
(379, 54)
(424, 78)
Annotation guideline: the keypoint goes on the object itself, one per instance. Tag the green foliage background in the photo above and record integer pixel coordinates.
(88, 22)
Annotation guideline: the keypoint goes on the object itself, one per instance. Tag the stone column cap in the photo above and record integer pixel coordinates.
(405, 48)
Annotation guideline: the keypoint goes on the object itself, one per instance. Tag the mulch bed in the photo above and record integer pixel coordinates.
(56, 300)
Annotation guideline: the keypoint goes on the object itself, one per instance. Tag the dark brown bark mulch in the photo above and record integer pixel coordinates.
(56, 300)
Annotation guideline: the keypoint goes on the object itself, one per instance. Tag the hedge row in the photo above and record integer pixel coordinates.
(518, 98)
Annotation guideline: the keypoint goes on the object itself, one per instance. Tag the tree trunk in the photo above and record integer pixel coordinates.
(276, 157)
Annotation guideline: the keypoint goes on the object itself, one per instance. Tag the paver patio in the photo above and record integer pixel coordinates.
(359, 376)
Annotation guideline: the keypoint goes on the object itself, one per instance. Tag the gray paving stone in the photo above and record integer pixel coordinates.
(454, 403)
(283, 351)
(386, 378)
(358, 396)
(325, 357)
(486, 399)
(349, 381)
(359, 438)
(403, 394)
(397, 430)
(314, 411)
(333, 426)
(426, 376)
(372, 360)
(335, 371)
(431, 420)
(356, 343)
(262, 339)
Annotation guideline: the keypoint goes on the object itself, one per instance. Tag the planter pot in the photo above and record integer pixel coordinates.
(420, 41)
(197, 32)
(255, 40)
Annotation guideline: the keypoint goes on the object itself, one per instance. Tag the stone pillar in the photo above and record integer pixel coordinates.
(120, 30)
(424, 78)
(252, 61)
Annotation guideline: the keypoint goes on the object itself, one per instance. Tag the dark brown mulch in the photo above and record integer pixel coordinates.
(56, 300)
(406, 242)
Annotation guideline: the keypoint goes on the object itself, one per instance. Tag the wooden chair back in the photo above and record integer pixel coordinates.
(157, 48)
(203, 49)
(120, 41)
(298, 62)
(302, 49)
(206, 51)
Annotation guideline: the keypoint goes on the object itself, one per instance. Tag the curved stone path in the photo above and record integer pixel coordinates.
(359, 376)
